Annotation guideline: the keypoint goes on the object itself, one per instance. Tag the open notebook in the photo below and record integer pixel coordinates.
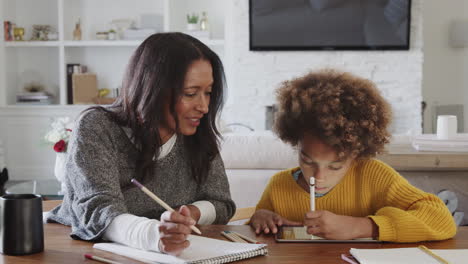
(201, 250)
(408, 256)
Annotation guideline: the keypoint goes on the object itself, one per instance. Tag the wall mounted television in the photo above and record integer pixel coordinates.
(329, 24)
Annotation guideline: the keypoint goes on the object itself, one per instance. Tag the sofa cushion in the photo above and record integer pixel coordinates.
(247, 186)
(257, 150)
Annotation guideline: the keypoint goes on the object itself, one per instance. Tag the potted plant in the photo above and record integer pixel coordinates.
(192, 22)
(112, 35)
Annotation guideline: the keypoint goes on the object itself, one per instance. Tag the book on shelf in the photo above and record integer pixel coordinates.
(422, 147)
(34, 96)
(84, 88)
(430, 142)
(8, 30)
(69, 69)
(432, 138)
(42, 98)
(42, 102)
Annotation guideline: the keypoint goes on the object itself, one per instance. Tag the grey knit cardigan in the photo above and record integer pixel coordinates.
(100, 164)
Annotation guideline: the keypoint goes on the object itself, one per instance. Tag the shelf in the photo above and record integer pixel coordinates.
(44, 61)
(103, 43)
(41, 110)
(95, 43)
(32, 43)
(126, 43)
(33, 107)
(50, 106)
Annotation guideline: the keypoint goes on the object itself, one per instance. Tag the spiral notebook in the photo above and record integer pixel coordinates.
(201, 250)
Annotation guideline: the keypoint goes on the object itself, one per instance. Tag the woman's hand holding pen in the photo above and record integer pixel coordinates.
(267, 221)
(194, 212)
(332, 226)
(174, 230)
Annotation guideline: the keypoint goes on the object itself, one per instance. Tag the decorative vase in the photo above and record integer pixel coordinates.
(112, 36)
(193, 27)
(60, 170)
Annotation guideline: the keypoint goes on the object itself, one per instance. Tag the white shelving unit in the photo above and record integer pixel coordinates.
(44, 62)
(22, 127)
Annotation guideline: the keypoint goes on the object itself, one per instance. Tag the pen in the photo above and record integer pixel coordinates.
(160, 202)
(233, 237)
(432, 254)
(312, 193)
(100, 259)
(246, 238)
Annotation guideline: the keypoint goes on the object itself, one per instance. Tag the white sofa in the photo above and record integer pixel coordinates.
(250, 159)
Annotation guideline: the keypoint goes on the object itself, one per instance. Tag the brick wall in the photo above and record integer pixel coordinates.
(254, 76)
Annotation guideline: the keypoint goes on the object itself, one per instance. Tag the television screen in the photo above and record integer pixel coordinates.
(329, 24)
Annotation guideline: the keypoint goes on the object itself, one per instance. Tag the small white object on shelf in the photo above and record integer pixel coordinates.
(446, 126)
(137, 33)
(112, 35)
(102, 35)
(204, 22)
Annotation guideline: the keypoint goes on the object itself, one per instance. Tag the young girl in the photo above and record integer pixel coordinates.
(339, 122)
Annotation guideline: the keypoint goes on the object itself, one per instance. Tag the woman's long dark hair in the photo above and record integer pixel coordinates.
(155, 77)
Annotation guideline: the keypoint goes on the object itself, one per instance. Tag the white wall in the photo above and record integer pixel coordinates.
(445, 68)
(253, 77)
(256, 75)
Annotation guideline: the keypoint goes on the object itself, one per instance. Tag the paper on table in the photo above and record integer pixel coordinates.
(408, 256)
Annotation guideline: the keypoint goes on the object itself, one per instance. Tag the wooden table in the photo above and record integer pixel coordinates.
(60, 248)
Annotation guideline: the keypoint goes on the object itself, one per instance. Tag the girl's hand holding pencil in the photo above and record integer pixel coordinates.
(328, 225)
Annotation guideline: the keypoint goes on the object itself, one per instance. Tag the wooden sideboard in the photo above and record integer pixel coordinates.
(408, 159)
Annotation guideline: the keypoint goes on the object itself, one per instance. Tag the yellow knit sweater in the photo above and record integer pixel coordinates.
(370, 188)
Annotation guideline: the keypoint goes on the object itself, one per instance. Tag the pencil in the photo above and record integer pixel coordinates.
(100, 259)
(160, 202)
(233, 237)
(246, 238)
(312, 193)
(432, 254)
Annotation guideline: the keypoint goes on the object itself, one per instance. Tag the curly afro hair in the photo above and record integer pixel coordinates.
(344, 111)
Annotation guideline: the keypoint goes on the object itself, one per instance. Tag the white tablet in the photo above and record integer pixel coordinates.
(299, 234)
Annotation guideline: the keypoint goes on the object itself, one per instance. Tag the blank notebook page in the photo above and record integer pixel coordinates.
(201, 250)
(408, 256)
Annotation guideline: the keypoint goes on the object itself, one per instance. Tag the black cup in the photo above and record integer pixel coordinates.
(21, 228)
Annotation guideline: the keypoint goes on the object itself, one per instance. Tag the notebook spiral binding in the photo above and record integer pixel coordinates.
(234, 257)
